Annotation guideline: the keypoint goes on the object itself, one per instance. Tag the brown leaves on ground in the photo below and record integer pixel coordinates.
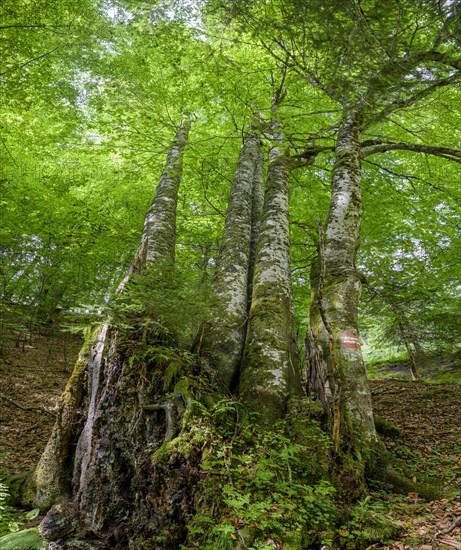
(430, 418)
(33, 374)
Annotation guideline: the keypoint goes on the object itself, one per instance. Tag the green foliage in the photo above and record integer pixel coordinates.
(164, 303)
(28, 539)
(8, 522)
(11, 537)
(367, 523)
(259, 484)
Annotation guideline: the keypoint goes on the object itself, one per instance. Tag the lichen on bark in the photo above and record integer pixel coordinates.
(224, 335)
(334, 314)
(158, 239)
(270, 363)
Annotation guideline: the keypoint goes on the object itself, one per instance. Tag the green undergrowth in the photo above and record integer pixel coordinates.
(253, 487)
(260, 485)
(434, 370)
(429, 477)
(367, 522)
(12, 537)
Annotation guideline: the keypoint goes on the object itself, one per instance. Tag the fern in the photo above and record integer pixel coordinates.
(28, 539)
(6, 517)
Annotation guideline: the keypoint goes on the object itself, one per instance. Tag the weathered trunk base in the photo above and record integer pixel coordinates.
(164, 449)
(51, 480)
(123, 494)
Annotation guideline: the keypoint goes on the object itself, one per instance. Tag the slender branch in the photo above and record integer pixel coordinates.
(30, 61)
(3, 27)
(412, 61)
(9, 153)
(418, 96)
(411, 179)
(439, 57)
(444, 152)
(452, 527)
(26, 407)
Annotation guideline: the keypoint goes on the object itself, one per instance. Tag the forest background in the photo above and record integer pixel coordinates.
(93, 95)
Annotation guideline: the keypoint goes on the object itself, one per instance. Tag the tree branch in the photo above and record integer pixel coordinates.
(308, 156)
(418, 96)
(45, 27)
(30, 61)
(444, 152)
(412, 61)
(26, 407)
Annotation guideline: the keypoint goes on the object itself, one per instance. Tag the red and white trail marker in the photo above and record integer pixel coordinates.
(350, 340)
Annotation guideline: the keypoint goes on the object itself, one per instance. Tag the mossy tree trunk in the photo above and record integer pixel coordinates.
(270, 362)
(102, 432)
(224, 335)
(158, 239)
(334, 320)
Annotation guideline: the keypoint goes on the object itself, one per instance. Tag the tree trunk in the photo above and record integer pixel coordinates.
(51, 479)
(102, 433)
(334, 321)
(158, 240)
(269, 368)
(225, 333)
(408, 346)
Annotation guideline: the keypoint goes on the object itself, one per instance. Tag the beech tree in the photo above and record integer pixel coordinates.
(270, 370)
(290, 143)
(225, 335)
(394, 73)
(94, 371)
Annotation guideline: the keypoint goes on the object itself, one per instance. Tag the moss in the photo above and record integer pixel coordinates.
(403, 485)
(182, 388)
(304, 428)
(388, 429)
(294, 541)
(369, 527)
(185, 445)
(381, 470)
(28, 539)
(305, 407)
(377, 461)
(16, 486)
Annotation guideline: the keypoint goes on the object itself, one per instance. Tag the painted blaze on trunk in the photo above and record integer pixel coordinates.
(334, 321)
(225, 333)
(269, 369)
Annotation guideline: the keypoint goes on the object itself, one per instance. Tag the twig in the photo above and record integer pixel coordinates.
(453, 526)
(26, 407)
(439, 533)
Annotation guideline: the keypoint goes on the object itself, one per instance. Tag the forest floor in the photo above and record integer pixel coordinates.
(33, 375)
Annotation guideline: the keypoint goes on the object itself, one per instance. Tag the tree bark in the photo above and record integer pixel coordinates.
(100, 422)
(269, 367)
(158, 239)
(225, 333)
(335, 323)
